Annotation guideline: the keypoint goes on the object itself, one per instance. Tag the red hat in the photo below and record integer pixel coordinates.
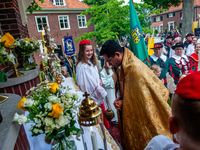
(189, 86)
(84, 42)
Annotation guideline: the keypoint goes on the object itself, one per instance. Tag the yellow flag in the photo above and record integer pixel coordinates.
(150, 45)
(195, 25)
(44, 41)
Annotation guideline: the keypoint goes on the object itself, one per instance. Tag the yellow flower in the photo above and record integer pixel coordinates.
(56, 110)
(31, 39)
(54, 86)
(27, 39)
(9, 40)
(21, 104)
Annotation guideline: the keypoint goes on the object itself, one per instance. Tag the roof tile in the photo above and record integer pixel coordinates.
(69, 3)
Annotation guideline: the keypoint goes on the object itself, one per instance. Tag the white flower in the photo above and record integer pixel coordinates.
(54, 99)
(28, 103)
(11, 57)
(3, 51)
(62, 121)
(48, 106)
(76, 96)
(48, 121)
(20, 118)
(68, 94)
(15, 118)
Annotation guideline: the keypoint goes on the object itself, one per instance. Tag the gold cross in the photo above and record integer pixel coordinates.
(86, 94)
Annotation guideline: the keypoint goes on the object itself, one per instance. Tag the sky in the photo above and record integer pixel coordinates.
(136, 1)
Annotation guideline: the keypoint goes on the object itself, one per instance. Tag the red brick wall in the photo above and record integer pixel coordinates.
(55, 31)
(10, 21)
(176, 18)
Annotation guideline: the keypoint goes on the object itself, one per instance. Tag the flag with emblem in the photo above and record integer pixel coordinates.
(137, 43)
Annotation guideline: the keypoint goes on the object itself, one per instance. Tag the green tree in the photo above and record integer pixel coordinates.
(95, 2)
(34, 6)
(110, 19)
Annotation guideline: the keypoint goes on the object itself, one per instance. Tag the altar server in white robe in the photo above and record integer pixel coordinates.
(87, 76)
(108, 83)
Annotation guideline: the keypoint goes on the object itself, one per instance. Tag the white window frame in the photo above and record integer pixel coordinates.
(54, 3)
(63, 20)
(171, 15)
(158, 19)
(169, 25)
(42, 27)
(81, 21)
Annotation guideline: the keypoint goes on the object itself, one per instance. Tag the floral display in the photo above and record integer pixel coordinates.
(6, 41)
(26, 46)
(52, 109)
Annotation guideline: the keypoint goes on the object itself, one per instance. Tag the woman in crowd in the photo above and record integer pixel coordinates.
(179, 63)
(194, 57)
(107, 77)
(87, 76)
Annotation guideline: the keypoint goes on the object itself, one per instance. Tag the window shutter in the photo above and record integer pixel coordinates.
(180, 14)
(173, 13)
(167, 15)
(161, 18)
(155, 19)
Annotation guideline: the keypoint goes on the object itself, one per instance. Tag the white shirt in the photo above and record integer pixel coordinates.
(155, 58)
(87, 78)
(161, 142)
(190, 50)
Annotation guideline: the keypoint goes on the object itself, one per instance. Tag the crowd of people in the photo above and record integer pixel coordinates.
(176, 57)
(118, 80)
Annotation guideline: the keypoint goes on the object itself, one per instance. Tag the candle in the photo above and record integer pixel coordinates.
(94, 139)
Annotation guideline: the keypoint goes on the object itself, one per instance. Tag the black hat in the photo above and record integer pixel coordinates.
(169, 37)
(180, 44)
(157, 45)
(189, 34)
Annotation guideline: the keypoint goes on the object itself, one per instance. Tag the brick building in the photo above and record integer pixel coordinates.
(62, 17)
(173, 17)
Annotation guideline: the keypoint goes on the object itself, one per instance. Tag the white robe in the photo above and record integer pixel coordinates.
(161, 142)
(108, 84)
(87, 78)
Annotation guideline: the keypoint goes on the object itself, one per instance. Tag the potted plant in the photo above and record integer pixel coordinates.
(24, 47)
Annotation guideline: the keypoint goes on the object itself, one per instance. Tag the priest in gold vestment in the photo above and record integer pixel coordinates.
(141, 101)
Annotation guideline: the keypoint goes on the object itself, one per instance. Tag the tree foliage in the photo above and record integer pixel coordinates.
(34, 6)
(111, 20)
(162, 3)
(95, 2)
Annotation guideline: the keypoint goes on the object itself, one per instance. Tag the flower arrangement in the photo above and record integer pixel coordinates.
(49, 111)
(6, 41)
(26, 46)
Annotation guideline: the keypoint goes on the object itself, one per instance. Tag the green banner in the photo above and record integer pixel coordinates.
(137, 43)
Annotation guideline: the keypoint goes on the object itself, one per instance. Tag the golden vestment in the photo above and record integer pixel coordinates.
(145, 110)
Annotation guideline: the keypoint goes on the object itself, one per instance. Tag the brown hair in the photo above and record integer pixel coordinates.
(81, 55)
(186, 113)
(155, 68)
(106, 68)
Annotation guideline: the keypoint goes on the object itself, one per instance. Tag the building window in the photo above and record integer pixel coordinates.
(170, 25)
(157, 18)
(59, 2)
(170, 15)
(40, 21)
(81, 21)
(64, 22)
